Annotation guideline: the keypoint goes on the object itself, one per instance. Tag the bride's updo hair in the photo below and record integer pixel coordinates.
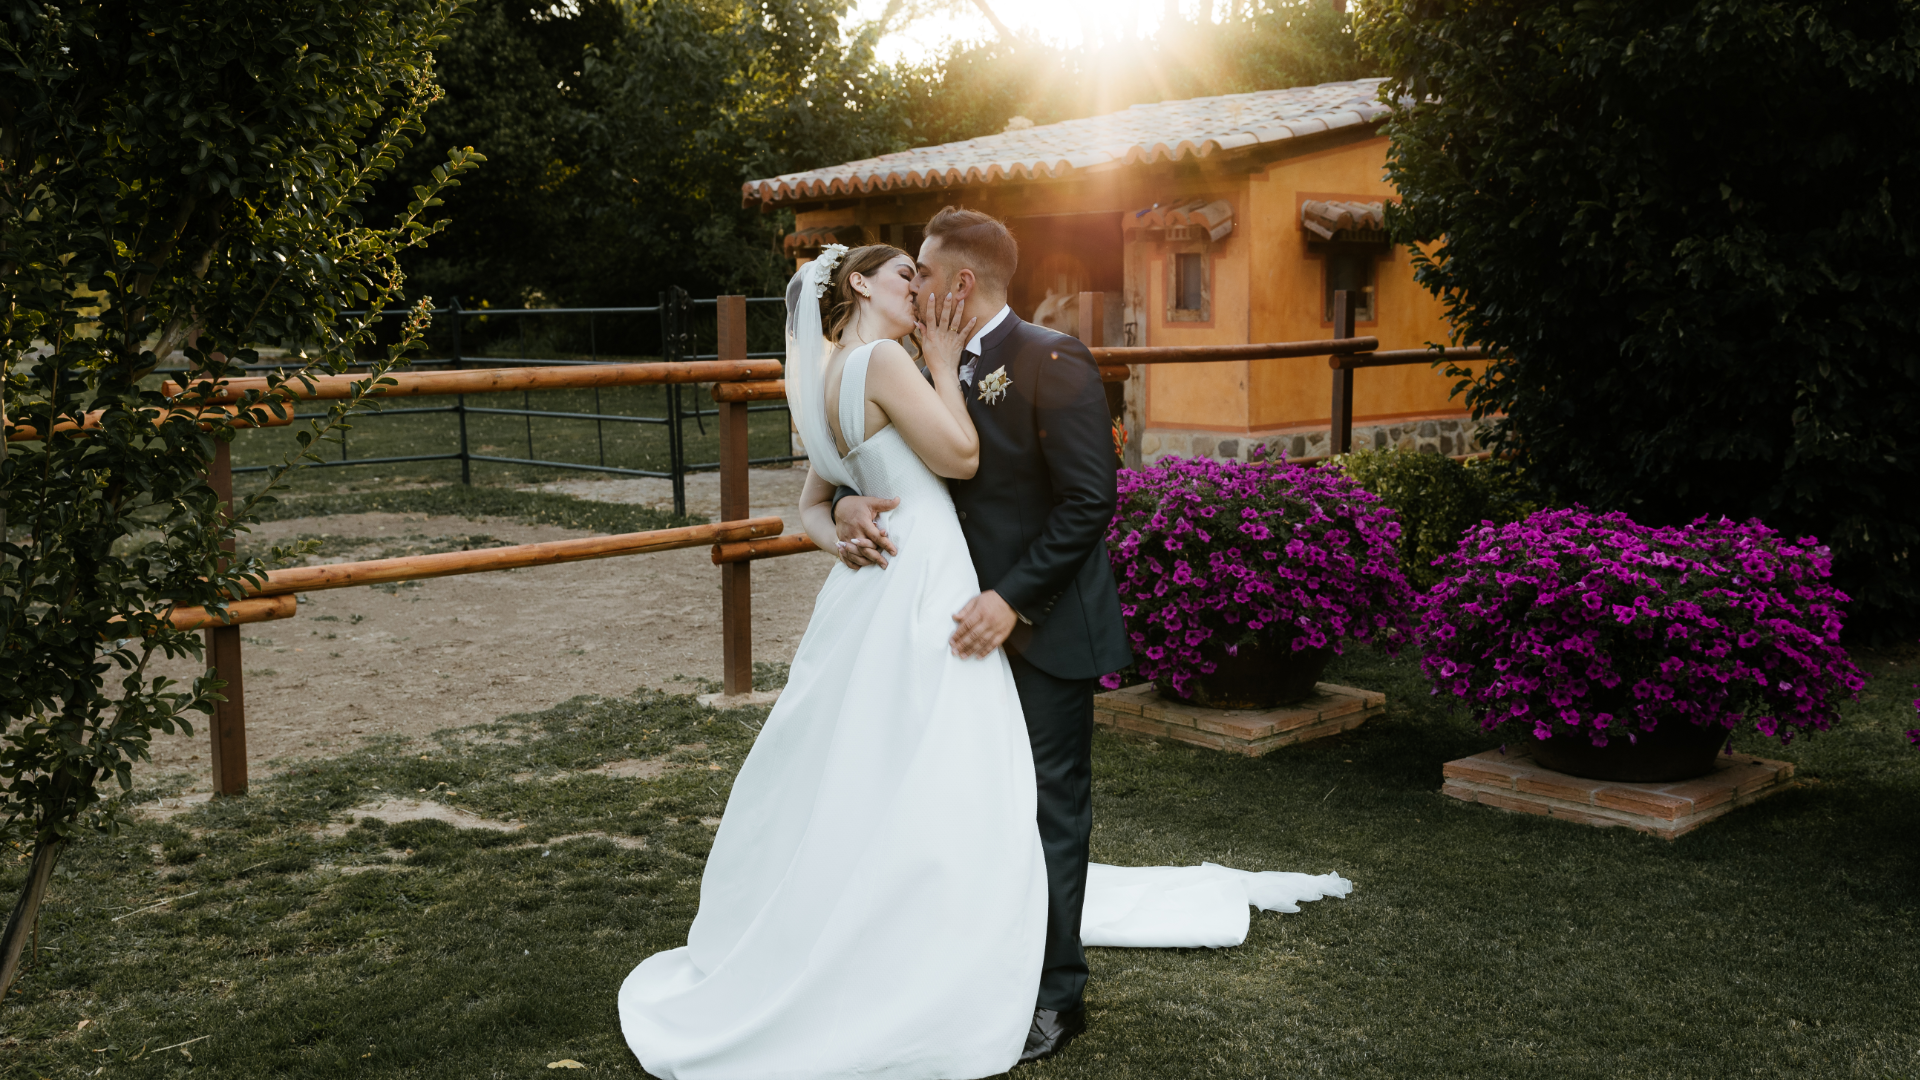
(837, 305)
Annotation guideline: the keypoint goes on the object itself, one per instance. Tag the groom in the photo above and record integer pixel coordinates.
(1035, 517)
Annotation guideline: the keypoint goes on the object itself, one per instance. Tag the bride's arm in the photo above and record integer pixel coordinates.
(816, 517)
(933, 419)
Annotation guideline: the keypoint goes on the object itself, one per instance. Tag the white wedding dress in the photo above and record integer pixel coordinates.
(875, 901)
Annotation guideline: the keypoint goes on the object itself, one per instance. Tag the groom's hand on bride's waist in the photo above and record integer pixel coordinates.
(983, 625)
(863, 540)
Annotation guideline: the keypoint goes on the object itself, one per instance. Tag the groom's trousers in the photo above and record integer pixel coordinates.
(1060, 726)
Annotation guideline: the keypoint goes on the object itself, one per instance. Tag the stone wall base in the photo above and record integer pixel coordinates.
(1450, 435)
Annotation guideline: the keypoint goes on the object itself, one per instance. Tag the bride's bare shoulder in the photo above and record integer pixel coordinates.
(892, 364)
(890, 352)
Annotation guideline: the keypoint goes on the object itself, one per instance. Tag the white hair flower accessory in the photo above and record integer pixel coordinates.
(829, 258)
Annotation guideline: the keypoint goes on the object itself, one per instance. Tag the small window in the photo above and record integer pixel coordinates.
(1352, 271)
(1187, 288)
(1188, 285)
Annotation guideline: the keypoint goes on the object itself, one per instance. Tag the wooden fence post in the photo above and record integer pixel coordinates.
(1092, 318)
(1342, 433)
(227, 729)
(736, 579)
(460, 401)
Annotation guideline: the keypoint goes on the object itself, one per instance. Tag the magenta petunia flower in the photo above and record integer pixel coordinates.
(1657, 615)
(1310, 559)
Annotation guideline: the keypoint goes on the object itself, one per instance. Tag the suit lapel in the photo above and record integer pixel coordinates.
(1000, 334)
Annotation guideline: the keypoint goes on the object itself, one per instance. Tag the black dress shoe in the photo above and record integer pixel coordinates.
(1052, 1030)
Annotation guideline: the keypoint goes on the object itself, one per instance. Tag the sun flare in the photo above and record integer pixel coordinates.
(1066, 22)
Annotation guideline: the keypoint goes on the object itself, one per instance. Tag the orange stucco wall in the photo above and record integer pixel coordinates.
(1208, 396)
(1269, 287)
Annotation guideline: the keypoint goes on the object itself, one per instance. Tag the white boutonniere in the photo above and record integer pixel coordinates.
(993, 386)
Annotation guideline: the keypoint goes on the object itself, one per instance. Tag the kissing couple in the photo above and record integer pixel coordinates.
(898, 885)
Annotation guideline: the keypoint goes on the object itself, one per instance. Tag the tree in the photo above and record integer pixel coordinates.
(618, 132)
(704, 95)
(513, 75)
(618, 135)
(175, 179)
(1262, 45)
(1690, 229)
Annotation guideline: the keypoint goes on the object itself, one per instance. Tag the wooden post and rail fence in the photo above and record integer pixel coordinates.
(736, 541)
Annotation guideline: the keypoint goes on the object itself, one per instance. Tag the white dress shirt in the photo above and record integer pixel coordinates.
(974, 347)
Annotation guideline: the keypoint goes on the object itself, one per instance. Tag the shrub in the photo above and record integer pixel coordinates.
(1436, 499)
(1689, 228)
(1219, 551)
(1575, 621)
(180, 178)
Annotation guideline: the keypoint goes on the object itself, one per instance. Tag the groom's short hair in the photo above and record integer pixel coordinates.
(977, 240)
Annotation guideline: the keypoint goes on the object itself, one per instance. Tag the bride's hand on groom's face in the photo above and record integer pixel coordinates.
(942, 336)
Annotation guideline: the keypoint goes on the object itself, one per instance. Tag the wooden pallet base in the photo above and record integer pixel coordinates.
(1143, 711)
(1512, 781)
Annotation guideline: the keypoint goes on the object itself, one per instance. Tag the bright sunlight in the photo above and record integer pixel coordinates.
(921, 27)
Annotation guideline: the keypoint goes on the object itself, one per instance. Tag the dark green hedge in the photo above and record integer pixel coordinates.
(1438, 498)
(1695, 229)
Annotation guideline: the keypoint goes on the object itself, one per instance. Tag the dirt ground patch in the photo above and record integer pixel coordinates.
(394, 811)
(415, 658)
(770, 492)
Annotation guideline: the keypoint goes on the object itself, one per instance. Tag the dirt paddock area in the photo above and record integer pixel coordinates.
(413, 658)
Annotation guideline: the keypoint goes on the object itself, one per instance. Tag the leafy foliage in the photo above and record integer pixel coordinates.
(1436, 499)
(514, 79)
(1268, 44)
(619, 135)
(176, 179)
(1691, 230)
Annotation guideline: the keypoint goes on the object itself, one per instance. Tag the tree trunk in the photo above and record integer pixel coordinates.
(999, 28)
(26, 912)
(4, 372)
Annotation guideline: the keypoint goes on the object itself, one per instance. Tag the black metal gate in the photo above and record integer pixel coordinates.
(680, 336)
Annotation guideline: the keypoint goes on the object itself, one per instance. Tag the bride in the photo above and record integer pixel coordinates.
(875, 903)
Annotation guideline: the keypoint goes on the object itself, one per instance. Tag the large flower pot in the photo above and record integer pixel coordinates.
(1260, 675)
(1676, 749)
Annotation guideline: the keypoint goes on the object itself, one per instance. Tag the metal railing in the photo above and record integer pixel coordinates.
(678, 338)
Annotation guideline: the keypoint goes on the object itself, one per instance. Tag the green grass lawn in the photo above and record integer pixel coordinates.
(1778, 941)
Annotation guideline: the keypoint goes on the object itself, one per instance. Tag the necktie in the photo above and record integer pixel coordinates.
(967, 369)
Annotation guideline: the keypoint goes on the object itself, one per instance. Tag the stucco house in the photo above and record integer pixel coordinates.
(1221, 220)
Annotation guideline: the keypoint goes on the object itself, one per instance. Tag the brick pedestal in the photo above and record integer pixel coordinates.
(1142, 710)
(1512, 781)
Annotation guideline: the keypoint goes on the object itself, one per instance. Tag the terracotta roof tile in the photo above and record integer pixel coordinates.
(1214, 219)
(1167, 131)
(1324, 219)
